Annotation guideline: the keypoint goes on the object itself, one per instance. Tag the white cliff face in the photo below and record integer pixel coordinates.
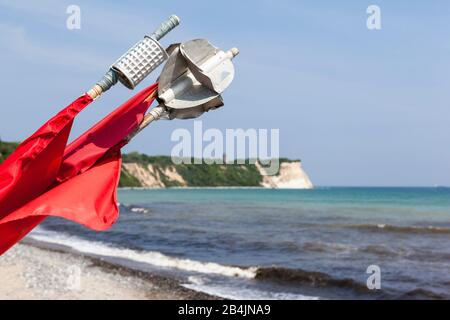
(172, 174)
(149, 177)
(145, 175)
(290, 176)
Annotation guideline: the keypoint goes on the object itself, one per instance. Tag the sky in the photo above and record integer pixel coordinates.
(359, 107)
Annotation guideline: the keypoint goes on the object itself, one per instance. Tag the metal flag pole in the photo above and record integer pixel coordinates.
(191, 82)
(138, 62)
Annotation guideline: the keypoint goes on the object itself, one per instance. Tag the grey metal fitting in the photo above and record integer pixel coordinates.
(144, 57)
(108, 80)
(139, 61)
(194, 77)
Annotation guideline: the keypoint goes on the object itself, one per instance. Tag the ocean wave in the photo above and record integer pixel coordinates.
(133, 208)
(234, 293)
(309, 278)
(378, 250)
(422, 294)
(399, 229)
(152, 258)
(384, 251)
(329, 247)
(203, 270)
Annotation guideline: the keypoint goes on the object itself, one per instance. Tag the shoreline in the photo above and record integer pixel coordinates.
(40, 271)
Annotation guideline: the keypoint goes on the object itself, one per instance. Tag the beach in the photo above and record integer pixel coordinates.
(29, 271)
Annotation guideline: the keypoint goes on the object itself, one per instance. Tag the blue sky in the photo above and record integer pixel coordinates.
(359, 107)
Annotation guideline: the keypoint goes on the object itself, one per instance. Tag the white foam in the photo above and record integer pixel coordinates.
(235, 293)
(139, 210)
(149, 257)
(196, 280)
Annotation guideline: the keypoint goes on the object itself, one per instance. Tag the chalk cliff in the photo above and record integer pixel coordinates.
(160, 174)
(290, 176)
(150, 176)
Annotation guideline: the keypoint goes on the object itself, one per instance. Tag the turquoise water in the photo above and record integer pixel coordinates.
(298, 243)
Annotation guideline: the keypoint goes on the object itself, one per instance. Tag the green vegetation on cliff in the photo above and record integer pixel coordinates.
(140, 158)
(128, 180)
(6, 148)
(215, 175)
(201, 175)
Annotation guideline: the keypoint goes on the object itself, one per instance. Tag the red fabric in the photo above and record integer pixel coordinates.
(84, 189)
(33, 166)
(81, 154)
(88, 198)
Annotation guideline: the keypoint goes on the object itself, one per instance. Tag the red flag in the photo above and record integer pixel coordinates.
(85, 188)
(33, 166)
(81, 154)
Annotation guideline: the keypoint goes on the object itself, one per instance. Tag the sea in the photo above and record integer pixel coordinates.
(325, 243)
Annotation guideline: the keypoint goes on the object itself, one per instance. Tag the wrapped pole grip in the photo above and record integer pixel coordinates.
(165, 27)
